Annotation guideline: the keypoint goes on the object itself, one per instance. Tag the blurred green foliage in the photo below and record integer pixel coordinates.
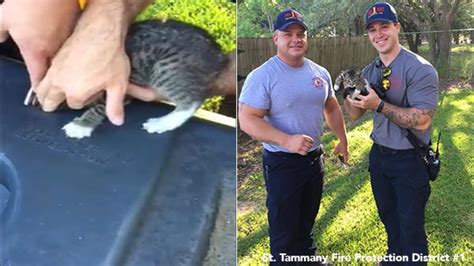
(218, 17)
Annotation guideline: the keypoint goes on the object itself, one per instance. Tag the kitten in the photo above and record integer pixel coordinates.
(177, 60)
(352, 83)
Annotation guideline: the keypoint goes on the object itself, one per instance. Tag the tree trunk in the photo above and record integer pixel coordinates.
(433, 51)
(411, 39)
(418, 40)
(358, 26)
(444, 46)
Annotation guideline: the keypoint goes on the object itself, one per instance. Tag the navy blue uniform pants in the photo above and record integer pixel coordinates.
(294, 186)
(401, 189)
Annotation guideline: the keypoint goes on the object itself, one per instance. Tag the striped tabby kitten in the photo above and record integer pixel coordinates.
(352, 83)
(175, 59)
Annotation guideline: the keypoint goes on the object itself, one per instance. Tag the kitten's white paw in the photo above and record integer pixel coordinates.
(170, 121)
(76, 131)
(159, 125)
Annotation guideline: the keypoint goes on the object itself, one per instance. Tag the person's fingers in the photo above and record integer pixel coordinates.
(142, 93)
(76, 102)
(362, 97)
(37, 65)
(49, 96)
(302, 152)
(114, 105)
(93, 98)
(355, 103)
(307, 145)
(54, 97)
(80, 94)
(3, 35)
(308, 139)
(42, 89)
(346, 157)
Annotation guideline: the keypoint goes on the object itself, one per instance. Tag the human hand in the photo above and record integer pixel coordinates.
(370, 101)
(145, 94)
(92, 60)
(3, 31)
(38, 30)
(299, 143)
(341, 149)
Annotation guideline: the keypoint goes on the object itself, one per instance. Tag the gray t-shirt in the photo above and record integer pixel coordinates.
(419, 78)
(293, 96)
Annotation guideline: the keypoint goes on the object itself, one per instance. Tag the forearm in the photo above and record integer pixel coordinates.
(130, 8)
(261, 130)
(133, 7)
(336, 123)
(419, 119)
(111, 17)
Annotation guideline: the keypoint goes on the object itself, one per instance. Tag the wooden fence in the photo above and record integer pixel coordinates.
(335, 54)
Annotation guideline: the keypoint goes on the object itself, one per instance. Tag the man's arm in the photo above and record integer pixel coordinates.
(121, 12)
(136, 6)
(335, 120)
(251, 122)
(93, 59)
(419, 119)
(38, 29)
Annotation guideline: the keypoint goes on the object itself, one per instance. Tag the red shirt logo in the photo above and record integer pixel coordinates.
(318, 82)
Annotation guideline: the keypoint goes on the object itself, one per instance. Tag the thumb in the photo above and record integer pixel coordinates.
(114, 105)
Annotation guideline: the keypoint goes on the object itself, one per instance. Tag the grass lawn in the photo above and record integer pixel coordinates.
(347, 222)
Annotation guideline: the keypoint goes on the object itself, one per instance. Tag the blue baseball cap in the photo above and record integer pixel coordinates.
(287, 18)
(382, 12)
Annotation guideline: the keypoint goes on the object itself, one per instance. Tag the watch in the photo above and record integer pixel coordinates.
(380, 107)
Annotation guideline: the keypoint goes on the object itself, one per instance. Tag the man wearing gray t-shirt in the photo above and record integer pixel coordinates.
(283, 104)
(399, 179)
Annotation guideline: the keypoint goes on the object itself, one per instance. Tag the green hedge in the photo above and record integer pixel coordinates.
(218, 17)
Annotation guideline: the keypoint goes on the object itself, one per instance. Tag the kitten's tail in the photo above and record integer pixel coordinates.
(224, 82)
(338, 83)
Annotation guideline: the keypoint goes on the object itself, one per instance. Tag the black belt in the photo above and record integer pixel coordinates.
(314, 153)
(386, 150)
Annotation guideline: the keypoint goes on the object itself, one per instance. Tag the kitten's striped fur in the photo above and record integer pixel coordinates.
(352, 82)
(177, 60)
